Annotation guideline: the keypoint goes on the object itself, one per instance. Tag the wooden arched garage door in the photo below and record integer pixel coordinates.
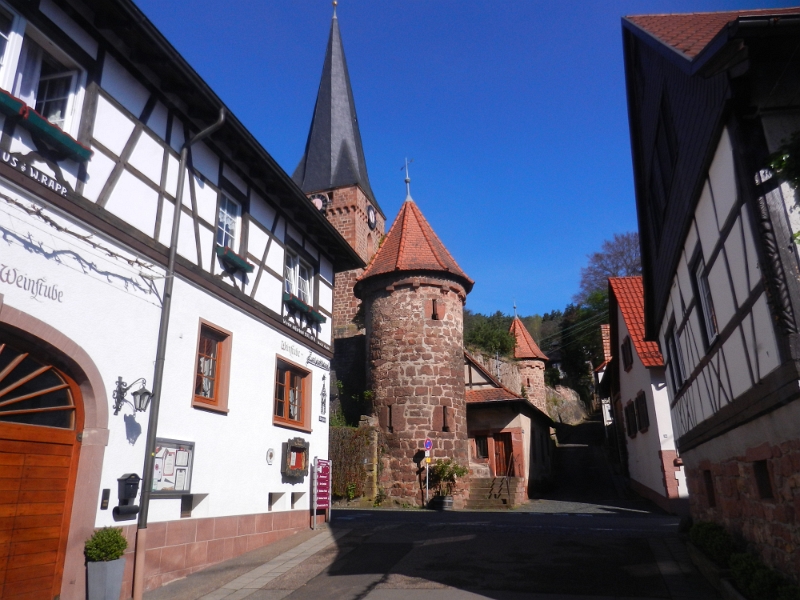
(41, 414)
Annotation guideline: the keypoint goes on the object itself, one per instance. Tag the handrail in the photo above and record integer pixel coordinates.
(509, 466)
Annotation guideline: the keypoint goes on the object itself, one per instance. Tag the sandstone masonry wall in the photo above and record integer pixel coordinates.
(516, 374)
(416, 371)
(770, 524)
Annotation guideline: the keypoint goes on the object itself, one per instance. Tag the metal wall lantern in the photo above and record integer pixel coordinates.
(141, 397)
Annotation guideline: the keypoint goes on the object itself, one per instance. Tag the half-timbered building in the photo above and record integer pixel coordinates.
(95, 109)
(710, 96)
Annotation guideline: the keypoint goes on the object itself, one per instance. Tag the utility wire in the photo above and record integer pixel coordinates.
(597, 319)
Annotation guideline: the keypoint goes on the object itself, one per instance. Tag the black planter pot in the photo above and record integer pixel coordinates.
(441, 503)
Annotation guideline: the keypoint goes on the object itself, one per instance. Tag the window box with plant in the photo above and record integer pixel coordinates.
(298, 288)
(229, 216)
(105, 563)
(232, 261)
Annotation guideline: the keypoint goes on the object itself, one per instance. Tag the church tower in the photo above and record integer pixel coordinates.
(333, 173)
(414, 294)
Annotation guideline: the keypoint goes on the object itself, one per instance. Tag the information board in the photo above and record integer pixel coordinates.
(322, 487)
(172, 467)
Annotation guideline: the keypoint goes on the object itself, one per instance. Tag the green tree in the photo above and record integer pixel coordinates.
(581, 342)
(618, 257)
(488, 333)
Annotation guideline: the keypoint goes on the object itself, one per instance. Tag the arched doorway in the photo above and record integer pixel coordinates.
(41, 418)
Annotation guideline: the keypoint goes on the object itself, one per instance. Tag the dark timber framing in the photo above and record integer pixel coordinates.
(719, 88)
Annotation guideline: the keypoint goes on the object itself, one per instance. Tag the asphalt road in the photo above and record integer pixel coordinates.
(585, 539)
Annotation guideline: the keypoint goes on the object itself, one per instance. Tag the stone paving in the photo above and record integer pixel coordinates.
(248, 584)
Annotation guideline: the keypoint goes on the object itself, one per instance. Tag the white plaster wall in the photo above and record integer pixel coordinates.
(644, 462)
(230, 450)
(751, 352)
(112, 128)
(123, 86)
(70, 27)
(117, 325)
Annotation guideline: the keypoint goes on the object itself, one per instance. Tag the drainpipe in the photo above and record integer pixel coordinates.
(158, 376)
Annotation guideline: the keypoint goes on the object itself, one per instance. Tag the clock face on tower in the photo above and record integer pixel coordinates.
(371, 220)
(319, 200)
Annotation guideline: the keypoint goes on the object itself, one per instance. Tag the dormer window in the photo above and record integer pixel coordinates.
(297, 278)
(228, 223)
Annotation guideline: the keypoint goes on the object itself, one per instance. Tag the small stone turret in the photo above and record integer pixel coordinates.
(414, 295)
(531, 361)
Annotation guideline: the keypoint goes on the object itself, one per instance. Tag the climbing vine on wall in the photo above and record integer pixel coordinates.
(348, 448)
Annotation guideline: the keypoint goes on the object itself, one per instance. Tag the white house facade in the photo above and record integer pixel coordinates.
(640, 398)
(95, 107)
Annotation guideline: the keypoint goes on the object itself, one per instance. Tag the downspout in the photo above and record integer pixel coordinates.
(158, 376)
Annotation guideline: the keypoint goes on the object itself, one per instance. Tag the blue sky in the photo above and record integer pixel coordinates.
(513, 112)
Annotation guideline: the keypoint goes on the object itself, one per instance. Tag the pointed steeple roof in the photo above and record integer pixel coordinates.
(334, 156)
(411, 245)
(525, 348)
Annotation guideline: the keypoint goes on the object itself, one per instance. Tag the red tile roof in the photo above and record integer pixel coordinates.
(691, 32)
(629, 295)
(499, 392)
(526, 347)
(605, 332)
(411, 245)
(489, 395)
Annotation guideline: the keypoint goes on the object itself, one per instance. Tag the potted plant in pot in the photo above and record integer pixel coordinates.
(444, 475)
(105, 565)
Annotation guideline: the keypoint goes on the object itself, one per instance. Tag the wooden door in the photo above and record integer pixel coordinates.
(40, 415)
(502, 455)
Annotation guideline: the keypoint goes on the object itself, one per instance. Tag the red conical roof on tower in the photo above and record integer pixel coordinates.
(526, 347)
(411, 245)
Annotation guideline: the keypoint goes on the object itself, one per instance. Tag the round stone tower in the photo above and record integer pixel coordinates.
(531, 362)
(414, 294)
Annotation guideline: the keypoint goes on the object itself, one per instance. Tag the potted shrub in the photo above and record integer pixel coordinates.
(105, 564)
(444, 475)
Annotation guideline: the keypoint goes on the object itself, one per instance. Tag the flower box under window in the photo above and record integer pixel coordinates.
(43, 129)
(294, 303)
(232, 261)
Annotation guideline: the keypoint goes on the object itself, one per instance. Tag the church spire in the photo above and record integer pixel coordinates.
(334, 156)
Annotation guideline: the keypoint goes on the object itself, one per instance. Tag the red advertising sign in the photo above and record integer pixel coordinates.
(322, 487)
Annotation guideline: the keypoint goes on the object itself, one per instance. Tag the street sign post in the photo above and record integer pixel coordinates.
(428, 447)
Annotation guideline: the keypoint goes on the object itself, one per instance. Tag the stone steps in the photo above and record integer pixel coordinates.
(496, 492)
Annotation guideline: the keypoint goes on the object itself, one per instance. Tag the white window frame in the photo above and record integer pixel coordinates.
(224, 201)
(293, 282)
(706, 303)
(9, 62)
(675, 355)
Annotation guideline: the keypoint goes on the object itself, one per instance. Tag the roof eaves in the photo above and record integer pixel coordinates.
(345, 257)
(669, 52)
